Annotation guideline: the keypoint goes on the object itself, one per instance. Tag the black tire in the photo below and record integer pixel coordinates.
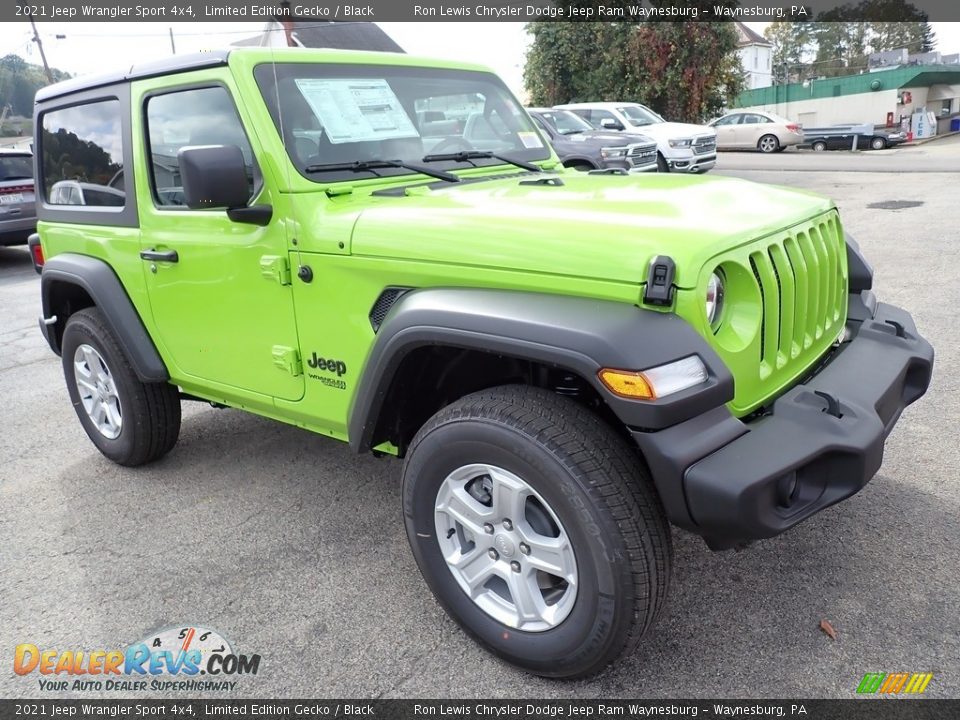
(598, 488)
(819, 146)
(662, 164)
(581, 166)
(150, 412)
(878, 143)
(768, 144)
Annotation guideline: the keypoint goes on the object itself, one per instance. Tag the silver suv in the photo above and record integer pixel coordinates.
(17, 217)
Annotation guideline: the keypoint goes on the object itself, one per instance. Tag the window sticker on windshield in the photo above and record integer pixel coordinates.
(530, 140)
(357, 110)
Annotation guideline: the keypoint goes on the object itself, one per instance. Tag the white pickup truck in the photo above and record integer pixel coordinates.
(680, 146)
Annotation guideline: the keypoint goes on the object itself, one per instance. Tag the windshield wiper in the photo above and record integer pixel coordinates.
(468, 155)
(371, 165)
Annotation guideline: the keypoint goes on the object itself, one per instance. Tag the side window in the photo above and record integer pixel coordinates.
(82, 160)
(729, 120)
(585, 114)
(199, 116)
(598, 116)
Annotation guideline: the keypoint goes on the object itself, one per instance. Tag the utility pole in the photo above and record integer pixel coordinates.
(173, 48)
(43, 56)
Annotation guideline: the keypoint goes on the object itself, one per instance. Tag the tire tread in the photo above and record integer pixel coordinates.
(156, 405)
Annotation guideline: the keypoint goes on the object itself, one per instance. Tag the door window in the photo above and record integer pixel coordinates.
(598, 116)
(187, 118)
(729, 120)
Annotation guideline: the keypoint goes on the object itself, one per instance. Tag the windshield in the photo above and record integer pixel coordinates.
(334, 114)
(638, 115)
(16, 167)
(566, 122)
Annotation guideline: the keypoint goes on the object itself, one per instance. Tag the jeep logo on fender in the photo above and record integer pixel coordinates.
(337, 366)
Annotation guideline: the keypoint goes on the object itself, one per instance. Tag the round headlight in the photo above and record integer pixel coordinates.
(714, 304)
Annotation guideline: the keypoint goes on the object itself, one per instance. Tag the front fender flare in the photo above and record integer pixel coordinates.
(581, 335)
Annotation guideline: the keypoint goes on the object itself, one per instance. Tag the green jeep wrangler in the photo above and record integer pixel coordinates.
(383, 249)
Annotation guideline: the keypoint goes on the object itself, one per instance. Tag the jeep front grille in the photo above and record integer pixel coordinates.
(801, 280)
(803, 290)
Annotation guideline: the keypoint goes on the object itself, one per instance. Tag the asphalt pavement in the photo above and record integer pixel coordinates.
(293, 548)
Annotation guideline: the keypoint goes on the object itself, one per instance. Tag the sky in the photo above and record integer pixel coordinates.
(86, 48)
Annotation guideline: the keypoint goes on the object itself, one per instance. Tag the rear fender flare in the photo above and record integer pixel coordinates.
(98, 280)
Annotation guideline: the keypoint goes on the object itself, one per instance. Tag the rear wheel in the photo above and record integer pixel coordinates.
(768, 144)
(537, 529)
(819, 146)
(131, 422)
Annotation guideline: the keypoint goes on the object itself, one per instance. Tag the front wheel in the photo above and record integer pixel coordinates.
(537, 528)
(662, 164)
(878, 143)
(819, 146)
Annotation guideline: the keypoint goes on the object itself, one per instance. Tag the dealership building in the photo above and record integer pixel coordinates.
(881, 97)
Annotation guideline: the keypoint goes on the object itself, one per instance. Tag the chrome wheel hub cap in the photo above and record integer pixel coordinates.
(98, 392)
(506, 548)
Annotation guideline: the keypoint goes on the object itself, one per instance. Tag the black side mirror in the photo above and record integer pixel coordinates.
(610, 124)
(215, 176)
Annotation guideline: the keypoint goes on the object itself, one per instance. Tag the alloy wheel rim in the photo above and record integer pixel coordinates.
(506, 548)
(98, 391)
(767, 144)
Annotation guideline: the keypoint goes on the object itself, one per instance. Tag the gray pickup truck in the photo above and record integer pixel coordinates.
(582, 146)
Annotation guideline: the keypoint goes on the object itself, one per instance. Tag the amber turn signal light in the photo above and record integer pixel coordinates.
(627, 384)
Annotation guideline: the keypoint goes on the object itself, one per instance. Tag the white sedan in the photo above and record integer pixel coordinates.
(769, 133)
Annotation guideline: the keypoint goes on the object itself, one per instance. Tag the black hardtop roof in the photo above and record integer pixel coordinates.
(166, 66)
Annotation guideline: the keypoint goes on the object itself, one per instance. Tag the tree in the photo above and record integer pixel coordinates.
(895, 35)
(839, 41)
(19, 82)
(791, 42)
(566, 60)
(686, 71)
(928, 37)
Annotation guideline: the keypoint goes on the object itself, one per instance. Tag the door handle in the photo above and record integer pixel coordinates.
(160, 255)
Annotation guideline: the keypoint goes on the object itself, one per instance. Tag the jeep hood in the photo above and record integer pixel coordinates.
(592, 226)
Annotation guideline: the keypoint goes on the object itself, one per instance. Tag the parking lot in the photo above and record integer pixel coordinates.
(293, 548)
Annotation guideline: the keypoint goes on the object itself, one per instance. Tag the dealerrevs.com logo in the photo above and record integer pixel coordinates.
(188, 658)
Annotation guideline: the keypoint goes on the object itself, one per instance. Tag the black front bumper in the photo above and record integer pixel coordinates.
(732, 482)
